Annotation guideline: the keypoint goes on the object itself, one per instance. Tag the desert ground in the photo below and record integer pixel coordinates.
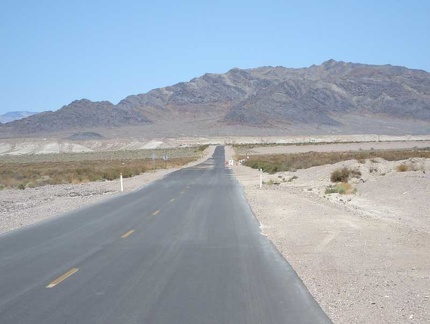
(365, 256)
(50, 145)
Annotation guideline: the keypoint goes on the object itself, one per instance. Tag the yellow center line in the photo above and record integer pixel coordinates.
(127, 234)
(172, 200)
(156, 212)
(62, 277)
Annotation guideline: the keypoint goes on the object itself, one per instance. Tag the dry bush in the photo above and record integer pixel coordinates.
(22, 175)
(403, 167)
(288, 162)
(342, 188)
(409, 167)
(343, 174)
(201, 148)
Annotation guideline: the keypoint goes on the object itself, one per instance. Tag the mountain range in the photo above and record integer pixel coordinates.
(330, 96)
(15, 115)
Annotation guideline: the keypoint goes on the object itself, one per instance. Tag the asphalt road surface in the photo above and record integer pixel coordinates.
(184, 249)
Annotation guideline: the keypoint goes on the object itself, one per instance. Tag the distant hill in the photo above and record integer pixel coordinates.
(15, 115)
(80, 114)
(328, 95)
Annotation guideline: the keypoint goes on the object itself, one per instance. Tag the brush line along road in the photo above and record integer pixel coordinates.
(184, 249)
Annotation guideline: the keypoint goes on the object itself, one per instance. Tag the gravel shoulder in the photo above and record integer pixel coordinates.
(364, 257)
(19, 208)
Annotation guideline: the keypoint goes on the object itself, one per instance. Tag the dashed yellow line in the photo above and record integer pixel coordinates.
(156, 212)
(127, 234)
(62, 278)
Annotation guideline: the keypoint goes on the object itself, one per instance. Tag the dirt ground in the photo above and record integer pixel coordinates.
(337, 147)
(365, 257)
(37, 146)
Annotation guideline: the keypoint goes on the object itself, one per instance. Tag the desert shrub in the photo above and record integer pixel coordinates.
(340, 188)
(201, 148)
(31, 185)
(289, 162)
(402, 167)
(343, 174)
(410, 167)
(331, 190)
(57, 171)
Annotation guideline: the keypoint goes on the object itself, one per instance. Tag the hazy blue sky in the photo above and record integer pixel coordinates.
(53, 52)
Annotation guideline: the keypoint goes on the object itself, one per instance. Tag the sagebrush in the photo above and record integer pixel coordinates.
(290, 162)
(30, 175)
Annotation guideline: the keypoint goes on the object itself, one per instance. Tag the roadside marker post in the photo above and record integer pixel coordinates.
(261, 178)
(122, 184)
(165, 158)
(154, 157)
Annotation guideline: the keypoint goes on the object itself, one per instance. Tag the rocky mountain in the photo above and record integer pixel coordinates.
(15, 115)
(322, 94)
(264, 97)
(80, 114)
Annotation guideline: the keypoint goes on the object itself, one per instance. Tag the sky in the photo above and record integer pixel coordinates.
(54, 52)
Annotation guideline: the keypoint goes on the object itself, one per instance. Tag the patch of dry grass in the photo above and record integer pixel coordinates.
(34, 174)
(409, 167)
(290, 162)
(343, 188)
(344, 174)
(402, 167)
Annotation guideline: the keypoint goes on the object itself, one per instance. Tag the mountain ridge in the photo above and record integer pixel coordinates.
(268, 97)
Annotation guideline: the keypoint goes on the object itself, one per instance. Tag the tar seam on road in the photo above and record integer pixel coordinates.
(127, 234)
(62, 277)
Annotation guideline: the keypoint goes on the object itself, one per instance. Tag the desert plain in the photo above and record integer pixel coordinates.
(364, 255)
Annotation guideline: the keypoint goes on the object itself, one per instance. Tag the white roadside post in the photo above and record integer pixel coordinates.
(154, 157)
(120, 179)
(261, 178)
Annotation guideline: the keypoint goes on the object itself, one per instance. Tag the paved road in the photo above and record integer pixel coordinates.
(185, 249)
